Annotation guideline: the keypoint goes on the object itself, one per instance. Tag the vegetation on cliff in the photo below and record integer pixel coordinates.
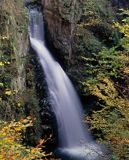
(106, 79)
(13, 49)
(11, 137)
(17, 87)
(101, 72)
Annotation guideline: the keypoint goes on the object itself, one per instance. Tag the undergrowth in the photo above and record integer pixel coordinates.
(108, 80)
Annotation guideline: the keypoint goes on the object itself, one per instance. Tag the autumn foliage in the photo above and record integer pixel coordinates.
(108, 82)
(11, 137)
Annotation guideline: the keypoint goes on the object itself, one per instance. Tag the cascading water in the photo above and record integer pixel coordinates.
(74, 139)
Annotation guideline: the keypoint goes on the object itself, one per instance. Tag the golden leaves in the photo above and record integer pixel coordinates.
(126, 70)
(105, 90)
(8, 92)
(124, 28)
(10, 142)
(1, 64)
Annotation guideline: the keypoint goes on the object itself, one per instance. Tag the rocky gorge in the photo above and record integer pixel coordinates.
(82, 37)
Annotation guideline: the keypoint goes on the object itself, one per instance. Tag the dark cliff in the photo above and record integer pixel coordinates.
(78, 27)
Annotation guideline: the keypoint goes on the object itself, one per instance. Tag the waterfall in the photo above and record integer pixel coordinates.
(74, 138)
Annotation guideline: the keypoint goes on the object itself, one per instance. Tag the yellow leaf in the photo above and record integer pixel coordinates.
(18, 104)
(4, 37)
(1, 84)
(8, 93)
(1, 64)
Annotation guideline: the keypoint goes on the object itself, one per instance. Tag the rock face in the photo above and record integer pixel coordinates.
(18, 97)
(15, 39)
(14, 50)
(60, 18)
(70, 28)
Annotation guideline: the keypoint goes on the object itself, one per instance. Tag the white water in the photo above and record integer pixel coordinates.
(72, 134)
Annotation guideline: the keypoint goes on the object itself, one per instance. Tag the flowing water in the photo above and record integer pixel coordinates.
(74, 139)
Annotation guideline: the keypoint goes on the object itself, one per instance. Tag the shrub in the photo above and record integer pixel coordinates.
(11, 147)
(107, 76)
